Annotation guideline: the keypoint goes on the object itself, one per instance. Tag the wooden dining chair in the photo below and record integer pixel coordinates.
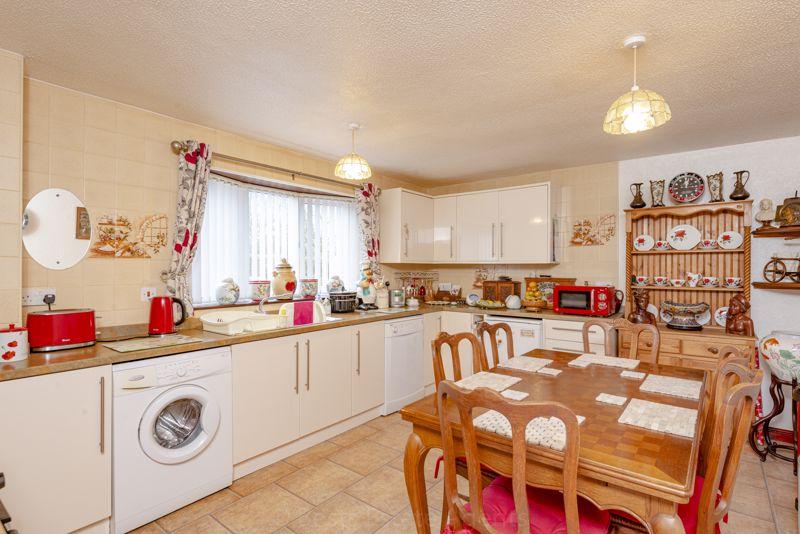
(509, 505)
(491, 331)
(621, 326)
(453, 341)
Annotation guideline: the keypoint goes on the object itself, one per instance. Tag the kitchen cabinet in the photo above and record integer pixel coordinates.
(477, 215)
(266, 395)
(445, 222)
(325, 395)
(368, 365)
(567, 336)
(524, 234)
(406, 226)
(56, 449)
(432, 325)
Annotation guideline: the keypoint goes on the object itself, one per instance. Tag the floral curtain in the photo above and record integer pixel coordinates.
(193, 171)
(369, 221)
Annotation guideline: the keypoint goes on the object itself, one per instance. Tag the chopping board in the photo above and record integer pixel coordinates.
(144, 343)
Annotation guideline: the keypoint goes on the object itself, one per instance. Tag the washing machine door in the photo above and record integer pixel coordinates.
(179, 424)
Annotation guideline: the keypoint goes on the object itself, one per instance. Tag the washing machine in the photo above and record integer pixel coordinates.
(172, 440)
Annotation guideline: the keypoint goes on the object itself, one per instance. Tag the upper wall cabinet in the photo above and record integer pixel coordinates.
(524, 231)
(445, 221)
(406, 226)
(478, 226)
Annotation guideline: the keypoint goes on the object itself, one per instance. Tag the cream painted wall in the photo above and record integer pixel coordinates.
(117, 159)
(11, 91)
(775, 173)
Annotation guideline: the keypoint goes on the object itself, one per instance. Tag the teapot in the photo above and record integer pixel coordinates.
(284, 281)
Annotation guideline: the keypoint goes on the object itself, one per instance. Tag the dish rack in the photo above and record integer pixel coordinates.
(711, 220)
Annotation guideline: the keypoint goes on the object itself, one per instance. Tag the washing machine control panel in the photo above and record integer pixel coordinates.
(170, 372)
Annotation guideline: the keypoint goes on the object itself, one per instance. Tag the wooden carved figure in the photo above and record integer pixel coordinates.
(737, 322)
(640, 315)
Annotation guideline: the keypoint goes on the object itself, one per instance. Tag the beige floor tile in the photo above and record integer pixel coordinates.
(430, 465)
(787, 520)
(284, 530)
(266, 510)
(364, 457)
(385, 421)
(752, 501)
(751, 474)
(744, 524)
(342, 514)
(436, 492)
(779, 469)
(198, 509)
(150, 528)
(353, 436)
(782, 492)
(393, 436)
(749, 455)
(204, 525)
(261, 478)
(312, 454)
(319, 482)
(385, 489)
(403, 523)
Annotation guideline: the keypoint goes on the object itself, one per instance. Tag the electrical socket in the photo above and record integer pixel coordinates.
(34, 296)
(147, 293)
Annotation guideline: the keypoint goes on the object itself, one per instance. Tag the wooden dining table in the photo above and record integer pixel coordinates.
(621, 467)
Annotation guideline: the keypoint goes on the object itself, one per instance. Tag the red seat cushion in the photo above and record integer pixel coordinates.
(546, 509)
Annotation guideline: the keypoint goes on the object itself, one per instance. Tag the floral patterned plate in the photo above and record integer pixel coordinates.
(730, 240)
(643, 243)
(721, 315)
(684, 237)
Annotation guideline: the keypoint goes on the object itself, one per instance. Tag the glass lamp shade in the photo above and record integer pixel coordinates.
(636, 111)
(352, 167)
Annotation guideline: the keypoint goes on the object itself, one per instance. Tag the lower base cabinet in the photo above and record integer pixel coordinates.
(369, 366)
(325, 386)
(55, 450)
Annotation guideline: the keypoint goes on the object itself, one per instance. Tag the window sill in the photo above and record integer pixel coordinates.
(214, 305)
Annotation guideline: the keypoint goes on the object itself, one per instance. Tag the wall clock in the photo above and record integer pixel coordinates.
(686, 187)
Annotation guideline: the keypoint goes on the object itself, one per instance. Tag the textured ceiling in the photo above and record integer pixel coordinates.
(445, 90)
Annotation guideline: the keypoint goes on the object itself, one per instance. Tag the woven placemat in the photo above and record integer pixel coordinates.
(525, 363)
(669, 385)
(660, 417)
(485, 379)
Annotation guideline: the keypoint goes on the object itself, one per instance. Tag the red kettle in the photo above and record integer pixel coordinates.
(162, 317)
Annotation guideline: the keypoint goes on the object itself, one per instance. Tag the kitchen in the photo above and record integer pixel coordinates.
(333, 381)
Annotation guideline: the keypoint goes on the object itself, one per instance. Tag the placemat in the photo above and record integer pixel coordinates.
(549, 371)
(607, 398)
(636, 375)
(660, 417)
(143, 343)
(514, 394)
(669, 385)
(484, 379)
(525, 363)
(609, 361)
(547, 432)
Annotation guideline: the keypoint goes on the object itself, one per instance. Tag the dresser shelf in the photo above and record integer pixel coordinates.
(777, 285)
(693, 251)
(787, 232)
(701, 288)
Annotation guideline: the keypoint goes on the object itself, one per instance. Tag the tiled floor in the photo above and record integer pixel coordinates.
(354, 483)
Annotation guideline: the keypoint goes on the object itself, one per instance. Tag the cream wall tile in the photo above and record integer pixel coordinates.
(127, 297)
(69, 297)
(98, 271)
(158, 153)
(11, 202)
(161, 177)
(36, 158)
(160, 128)
(10, 304)
(152, 275)
(129, 147)
(100, 194)
(101, 114)
(10, 107)
(71, 184)
(66, 162)
(130, 173)
(106, 318)
(100, 168)
(156, 201)
(131, 121)
(12, 273)
(133, 316)
(101, 142)
(10, 240)
(130, 197)
(72, 277)
(36, 97)
(33, 274)
(10, 140)
(10, 173)
(36, 128)
(33, 182)
(66, 105)
(10, 71)
(128, 271)
(99, 298)
(66, 135)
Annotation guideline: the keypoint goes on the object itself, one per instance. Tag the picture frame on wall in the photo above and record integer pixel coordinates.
(83, 225)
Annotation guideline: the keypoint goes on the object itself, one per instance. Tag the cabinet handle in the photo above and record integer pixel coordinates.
(308, 364)
(405, 233)
(562, 329)
(297, 367)
(648, 344)
(451, 241)
(102, 415)
(567, 350)
(493, 227)
(501, 240)
(358, 351)
(713, 350)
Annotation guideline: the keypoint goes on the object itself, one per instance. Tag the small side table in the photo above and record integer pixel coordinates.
(778, 404)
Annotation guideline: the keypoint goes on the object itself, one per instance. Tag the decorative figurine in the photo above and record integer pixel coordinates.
(767, 213)
(657, 193)
(788, 213)
(715, 187)
(638, 200)
(640, 315)
(228, 292)
(335, 285)
(366, 288)
(737, 322)
(739, 192)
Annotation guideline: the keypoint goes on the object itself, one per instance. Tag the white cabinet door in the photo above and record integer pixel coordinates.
(477, 227)
(455, 323)
(432, 325)
(325, 385)
(55, 450)
(524, 232)
(266, 400)
(445, 212)
(417, 227)
(369, 366)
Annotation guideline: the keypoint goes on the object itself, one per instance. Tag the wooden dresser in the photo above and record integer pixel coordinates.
(697, 350)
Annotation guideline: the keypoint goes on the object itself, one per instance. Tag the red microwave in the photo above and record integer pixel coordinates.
(598, 301)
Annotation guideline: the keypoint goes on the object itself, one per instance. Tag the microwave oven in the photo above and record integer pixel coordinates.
(597, 301)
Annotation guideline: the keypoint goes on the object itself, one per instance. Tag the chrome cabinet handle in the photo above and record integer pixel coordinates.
(102, 415)
(405, 233)
(562, 329)
(308, 364)
(358, 351)
(297, 367)
(501, 240)
(451, 241)
(567, 350)
(493, 227)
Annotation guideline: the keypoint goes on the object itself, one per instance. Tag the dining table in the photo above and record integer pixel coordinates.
(646, 473)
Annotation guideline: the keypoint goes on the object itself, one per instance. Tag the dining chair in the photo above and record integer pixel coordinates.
(453, 341)
(636, 331)
(491, 331)
(509, 504)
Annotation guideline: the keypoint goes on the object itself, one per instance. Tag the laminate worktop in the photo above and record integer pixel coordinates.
(42, 363)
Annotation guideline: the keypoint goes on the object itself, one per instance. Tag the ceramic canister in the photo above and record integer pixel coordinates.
(13, 343)
(284, 282)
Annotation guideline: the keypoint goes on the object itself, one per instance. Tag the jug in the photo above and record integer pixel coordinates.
(739, 192)
(638, 200)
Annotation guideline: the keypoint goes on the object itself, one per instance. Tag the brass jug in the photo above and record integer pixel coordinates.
(638, 200)
(739, 192)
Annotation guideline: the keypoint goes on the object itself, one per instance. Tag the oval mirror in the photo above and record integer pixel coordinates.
(56, 229)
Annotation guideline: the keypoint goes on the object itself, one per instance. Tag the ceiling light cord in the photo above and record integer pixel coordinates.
(635, 85)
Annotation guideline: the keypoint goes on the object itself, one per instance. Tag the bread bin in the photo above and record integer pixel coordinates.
(343, 301)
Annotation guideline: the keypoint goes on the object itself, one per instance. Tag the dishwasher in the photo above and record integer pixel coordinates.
(527, 335)
(405, 371)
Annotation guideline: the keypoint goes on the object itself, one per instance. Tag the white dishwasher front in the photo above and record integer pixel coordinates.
(405, 371)
(526, 334)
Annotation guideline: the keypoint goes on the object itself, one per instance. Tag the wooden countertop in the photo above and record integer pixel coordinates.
(42, 363)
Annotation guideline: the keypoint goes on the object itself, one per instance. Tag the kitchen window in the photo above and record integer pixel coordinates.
(248, 229)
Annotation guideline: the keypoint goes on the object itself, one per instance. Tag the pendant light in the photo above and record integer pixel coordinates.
(352, 166)
(639, 109)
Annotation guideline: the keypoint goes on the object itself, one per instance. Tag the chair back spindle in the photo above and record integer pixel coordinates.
(453, 341)
(492, 331)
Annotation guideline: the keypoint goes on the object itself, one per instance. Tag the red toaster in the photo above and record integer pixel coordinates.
(60, 329)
